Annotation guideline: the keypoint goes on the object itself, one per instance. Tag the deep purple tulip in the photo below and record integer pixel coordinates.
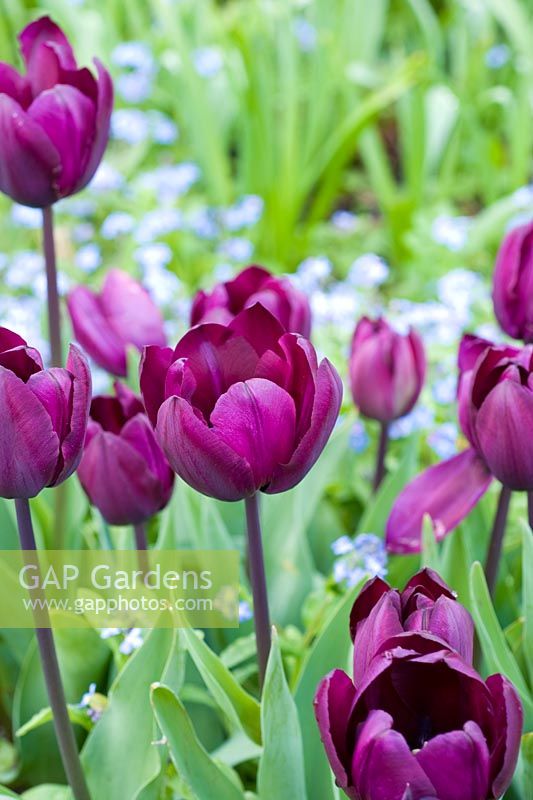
(123, 470)
(43, 416)
(501, 414)
(426, 604)
(241, 407)
(387, 370)
(121, 314)
(448, 491)
(420, 724)
(513, 283)
(254, 285)
(54, 121)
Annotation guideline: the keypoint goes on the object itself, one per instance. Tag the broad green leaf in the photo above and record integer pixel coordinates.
(455, 565)
(430, 548)
(527, 577)
(194, 764)
(330, 650)
(83, 659)
(281, 768)
(526, 764)
(48, 792)
(77, 716)
(241, 709)
(237, 749)
(6, 793)
(119, 758)
(495, 648)
(377, 512)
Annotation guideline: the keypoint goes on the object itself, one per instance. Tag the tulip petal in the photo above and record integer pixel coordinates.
(139, 433)
(23, 361)
(328, 398)
(199, 455)
(30, 165)
(367, 598)
(15, 85)
(383, 622)
(104, 107)
(333, 701)
(427, 582)
(68, 118)
(94, 333)
(257, 419)
(448, 620)
(505, 416)
(246, 283)
(509, 720)
(10, 339)
(72, 444)
(155, 363)
(130, 311)
(29, 446)
(53, 387)
(115, 477)
(384, 767)
(45, 31)
(457, 763)
(258, 327)
(446, 491)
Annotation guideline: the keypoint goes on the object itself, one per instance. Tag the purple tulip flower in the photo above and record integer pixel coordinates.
(448, 491)
(500, 414)
(122, 314)
(241, 408)
(44, 417)
(54, 121)
(387, 370)
(513, 283)
(426, 604)
(254, 285)
(420, 724)
(123, 469)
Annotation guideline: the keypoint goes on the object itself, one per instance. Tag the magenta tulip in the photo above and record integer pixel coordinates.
(44, 417)
(387, 370)
(254, 285)
(241, 408)
(54, 120)
(448, 491)
(426, 604)
(122, 314)
(500, 408)
(123, 469)
(513, 283)
(420, 724)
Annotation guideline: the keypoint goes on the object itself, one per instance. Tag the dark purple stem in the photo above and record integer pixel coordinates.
(259, 588)
(496, 539)
(381, 455)
(54, 313)
(52, 676)
(141, 545)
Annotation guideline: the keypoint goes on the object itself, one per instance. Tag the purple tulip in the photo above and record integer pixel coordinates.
(426, 604)
(122, 314)
(44, 417)
(54, 121)
(123, 469)
(387, 370)
(241, 407)
(501, 414)
(420, 724)
(254, 285)
(513, 283)
(448, 491)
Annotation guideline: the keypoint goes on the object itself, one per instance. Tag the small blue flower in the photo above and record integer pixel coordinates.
(109, 633)
(238, 249)
(26, 217)
(107, 179)
(451, 232)
(497, 56)
(117, 224)
(170, 182)
(208, 61)
(162, 128)
(244, 214)
(130, 125)
(133, 55)
(443, 440)
(162, 284)
(132, 641)
(312, 273)
(83, 232)
(133, 87)
(368, 271)
(245, 611)
(359, 558)
(202, 222)
(342, 546)
(306, 34)
(419, 419)
(344, 221)
(444, 390)
(158, 223)
(152, 255)
(23, 270)
(89, 257)
(359, 439)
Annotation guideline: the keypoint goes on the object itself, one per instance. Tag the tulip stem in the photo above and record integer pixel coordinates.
(52, 675)
(259, 588)
(381, 455)
(54, 314)
(141, 544)
(530, 509)
(496, 539)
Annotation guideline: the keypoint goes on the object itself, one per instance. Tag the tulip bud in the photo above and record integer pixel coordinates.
(426, 604)
(422, 719)
(513, 283)
(44, 417)
(54, 121)
(387, 370)
(240, 408)
(500, 411)
(122, 314)
(254, 285)
(123, 469)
